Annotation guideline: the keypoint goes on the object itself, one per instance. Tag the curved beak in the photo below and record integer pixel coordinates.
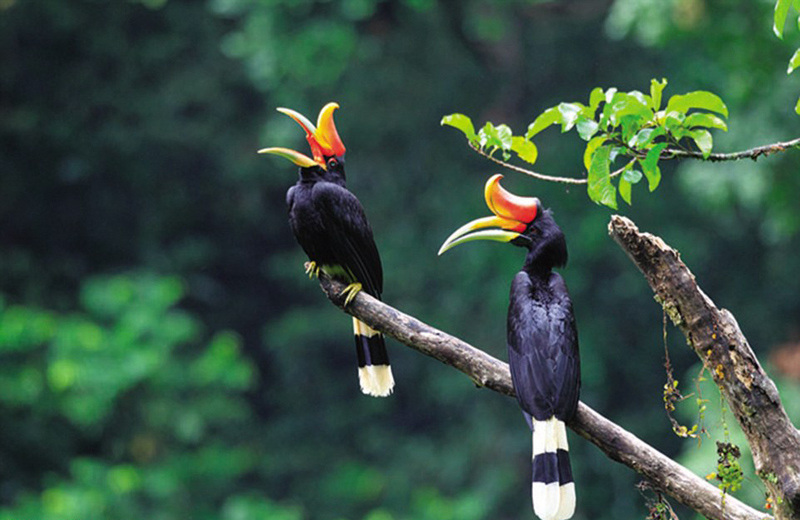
(323, 139)
(512, 215)
(298, 158)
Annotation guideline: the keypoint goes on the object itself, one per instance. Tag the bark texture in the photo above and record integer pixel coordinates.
(487, 371)
(716, 338)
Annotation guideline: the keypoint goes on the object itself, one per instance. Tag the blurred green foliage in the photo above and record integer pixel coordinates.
(162, 353)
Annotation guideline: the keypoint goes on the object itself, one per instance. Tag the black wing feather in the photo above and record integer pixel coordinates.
(543, 347)
(350, 240)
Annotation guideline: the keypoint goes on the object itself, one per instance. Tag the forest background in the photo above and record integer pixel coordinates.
(162, 353)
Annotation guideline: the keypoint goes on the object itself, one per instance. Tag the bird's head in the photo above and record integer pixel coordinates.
(327, 149)
(519, 220)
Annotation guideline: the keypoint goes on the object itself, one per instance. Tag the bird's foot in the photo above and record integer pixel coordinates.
(350, 292)
(312, 269)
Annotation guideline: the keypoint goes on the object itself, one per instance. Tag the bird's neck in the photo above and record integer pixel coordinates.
(545, 255)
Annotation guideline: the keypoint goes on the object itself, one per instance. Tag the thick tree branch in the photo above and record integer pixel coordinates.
(619, 444)
(721, 346)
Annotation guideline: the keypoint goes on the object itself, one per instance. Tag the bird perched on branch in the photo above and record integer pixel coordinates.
(542, 339)
(330, 225)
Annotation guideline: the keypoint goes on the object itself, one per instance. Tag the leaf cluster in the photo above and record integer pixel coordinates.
(630, 126)
(782, 8)
(729, 471)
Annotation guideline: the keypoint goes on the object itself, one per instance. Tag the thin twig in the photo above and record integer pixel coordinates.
(753, 153)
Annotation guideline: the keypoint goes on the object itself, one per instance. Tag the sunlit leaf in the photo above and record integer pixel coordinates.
(699, 99)
(781, 11)
(794, 62)
(549, 117)
(797, 107)
(591, 146)
(656, 88)
(599, 188)
(569, 115)
(705, 120)
(586, 127)
(525, 149)
(702, 138)
(631, 175)
(504, 135)
(650, 165)
(624, 104)
(673, 121)
(645, 136)
(461, 122)
(595, 98)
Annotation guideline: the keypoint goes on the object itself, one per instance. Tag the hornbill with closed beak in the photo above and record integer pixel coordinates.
(541, 337)
(330, 225)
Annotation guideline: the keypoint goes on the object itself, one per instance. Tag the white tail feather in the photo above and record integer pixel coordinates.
(376, 380)
(546, 499)
(551, 501)
(566, 506)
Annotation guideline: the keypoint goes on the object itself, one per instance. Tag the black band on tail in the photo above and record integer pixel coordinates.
(552, 467)
(371, 350)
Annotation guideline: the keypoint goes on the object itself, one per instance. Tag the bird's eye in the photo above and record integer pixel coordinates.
(332, 163)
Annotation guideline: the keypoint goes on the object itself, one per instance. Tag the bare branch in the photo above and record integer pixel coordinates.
(485, 370)
(753, 153)
(721, 346)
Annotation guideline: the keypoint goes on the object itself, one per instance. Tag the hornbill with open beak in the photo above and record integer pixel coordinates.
(332, 228)
(542, 339)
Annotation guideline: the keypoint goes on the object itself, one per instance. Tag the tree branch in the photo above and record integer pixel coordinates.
(753, 153)
(719, 343)
(619, 444)
(669, 153)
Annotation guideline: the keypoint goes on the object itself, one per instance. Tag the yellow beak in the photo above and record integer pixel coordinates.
(298, 158)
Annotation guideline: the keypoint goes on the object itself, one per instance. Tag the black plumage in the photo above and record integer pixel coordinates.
(331, 226)
(542, 338)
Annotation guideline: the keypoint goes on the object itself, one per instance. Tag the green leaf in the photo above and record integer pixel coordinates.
(650, 165)
(699, 99)
(586, 127)
(595, 98)
(525, 149)
(569, 115)
(645, 136)
(495, 137)
(705, 120)
(797, 107)
(781, 11)
(631, 175)
(624, 104)
(600, 189)
(625, 190)
(703, 140)
(549, 117)
(656, 88)
(794, 62)
(673, 121)
(591, 146)
(461, 122)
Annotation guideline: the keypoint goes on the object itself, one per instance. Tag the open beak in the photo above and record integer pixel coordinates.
(323, 138)
(512, 215)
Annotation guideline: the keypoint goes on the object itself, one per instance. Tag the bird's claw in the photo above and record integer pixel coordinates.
(312, 269)
(350, 292)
